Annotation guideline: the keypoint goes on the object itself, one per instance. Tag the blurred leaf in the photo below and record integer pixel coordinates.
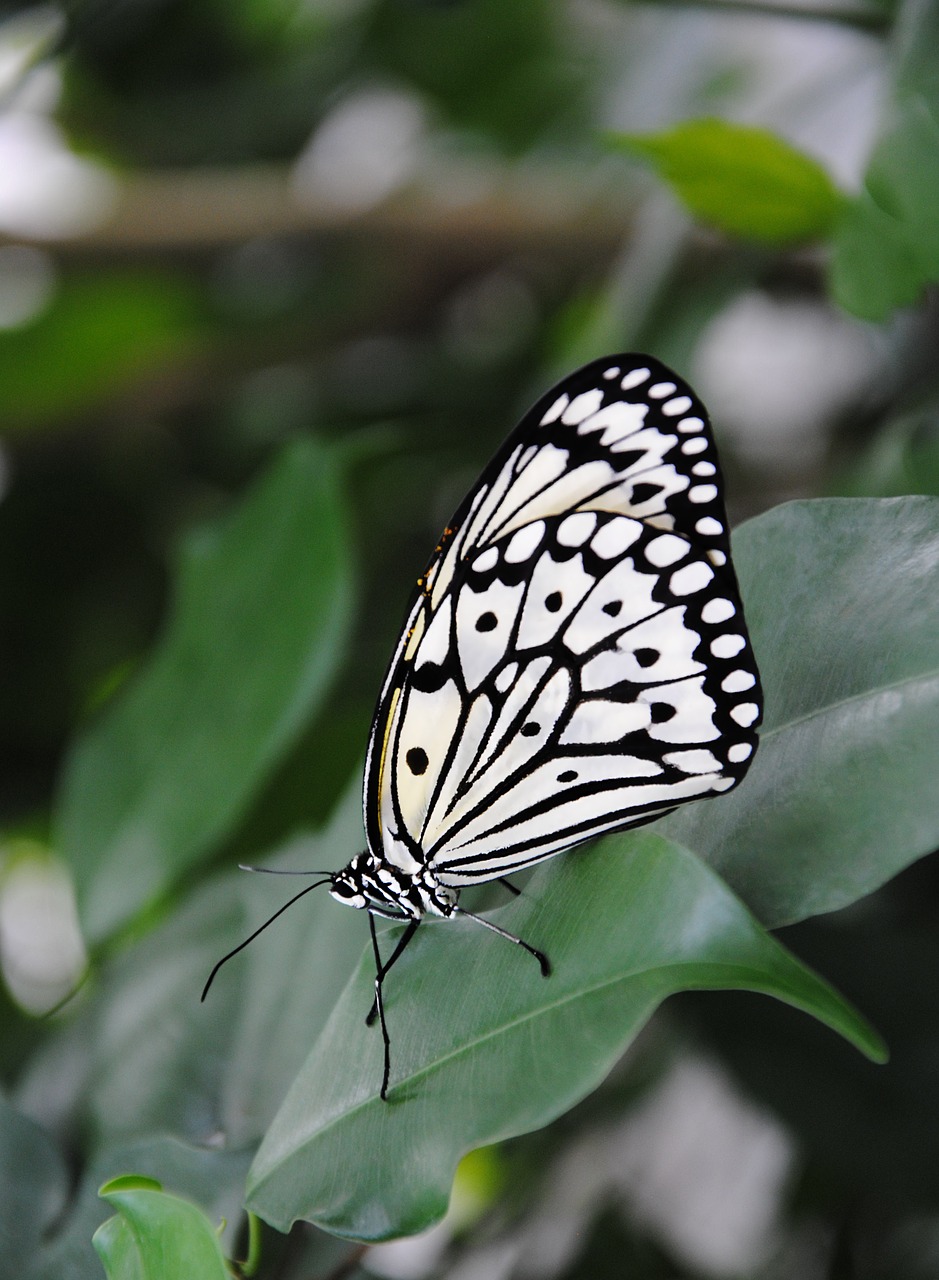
(623, 931)
(163, 1061)
(156, 1236)
(258, 628)
(214, 1179)
(745, 181)
(842, 600)
(99, 333)
(502, 70)
(35, 1181)
(886, 247)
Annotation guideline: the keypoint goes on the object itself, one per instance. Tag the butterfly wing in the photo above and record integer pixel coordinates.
(575, 659)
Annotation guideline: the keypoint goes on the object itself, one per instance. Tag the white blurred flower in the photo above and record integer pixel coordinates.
(366, 148)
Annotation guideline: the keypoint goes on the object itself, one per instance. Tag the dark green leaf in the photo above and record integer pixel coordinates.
(99, 333)
(745, 181)
(483, 1047)
(228, 1062)
(886, 247)
(842, 600)
(156, 1236)
(215, 1179)
(257, 631)
(34, 1179)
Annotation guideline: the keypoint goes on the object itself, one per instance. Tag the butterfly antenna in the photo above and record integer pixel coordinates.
(281, 871)
(241, 946)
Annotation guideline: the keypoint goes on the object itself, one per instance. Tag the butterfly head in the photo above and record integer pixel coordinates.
(372, 884)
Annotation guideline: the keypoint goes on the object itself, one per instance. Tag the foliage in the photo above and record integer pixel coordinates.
(238, 413)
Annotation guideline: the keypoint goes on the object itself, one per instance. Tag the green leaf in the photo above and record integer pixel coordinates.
(156, 1236)
(229, 1060)
(35, 1184)
(483, 1047)
(886, 246)
(744, 181)
(99, 333)
(214, 1179)
(256, 633)
(842, 602)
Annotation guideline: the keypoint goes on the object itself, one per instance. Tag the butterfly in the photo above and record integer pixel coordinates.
(574, 659)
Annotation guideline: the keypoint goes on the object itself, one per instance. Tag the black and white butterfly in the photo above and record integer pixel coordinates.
(575, 659)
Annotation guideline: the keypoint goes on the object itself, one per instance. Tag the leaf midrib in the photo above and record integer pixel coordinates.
(507, 1027)
(863, 696)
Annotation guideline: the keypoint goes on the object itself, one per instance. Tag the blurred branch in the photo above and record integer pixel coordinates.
(866, 17)
(183, 211)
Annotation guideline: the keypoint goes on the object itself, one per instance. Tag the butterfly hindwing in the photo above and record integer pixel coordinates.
(576, 658)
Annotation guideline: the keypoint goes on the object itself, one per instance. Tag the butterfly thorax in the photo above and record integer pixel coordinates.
(372, 884)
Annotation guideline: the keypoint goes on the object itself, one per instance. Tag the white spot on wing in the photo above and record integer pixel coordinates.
(635, 378)
(435, 644)
(582, 406)
(539, 624)
(479, 651)
(694, 712)
(693, 577)
(691, 424)
(697, 444)
(738, 681)
(576, 529)
(693, 761)
(718, 610)
(727, 646)
(525, 542)
(708, 527)
(599, 720)
(745, 714)
(666, 550)
(680, 404)
(506, 677)
(661, 390)
(487, 560)
(702, 492)
(615, 537)
(617, 421)
(556, 409)
(739, 752)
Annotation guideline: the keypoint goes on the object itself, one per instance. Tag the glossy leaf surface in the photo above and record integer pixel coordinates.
(483, 1047)
(156, 1236)
(255, 636)
(842, 601)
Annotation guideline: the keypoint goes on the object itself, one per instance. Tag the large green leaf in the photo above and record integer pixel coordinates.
(163, 1061)
(483, 1047)
(842, 600)
(156, 1236)
(743, 180)
(261, 612)
(886, 247)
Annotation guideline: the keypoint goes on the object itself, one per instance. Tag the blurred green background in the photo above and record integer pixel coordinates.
(276, 277)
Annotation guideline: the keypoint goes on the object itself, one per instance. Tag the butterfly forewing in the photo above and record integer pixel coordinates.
(576, 658)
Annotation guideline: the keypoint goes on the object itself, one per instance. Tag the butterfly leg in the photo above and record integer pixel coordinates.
(540, 956)
(507, 884)
(379, 1005)
(382, 969)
